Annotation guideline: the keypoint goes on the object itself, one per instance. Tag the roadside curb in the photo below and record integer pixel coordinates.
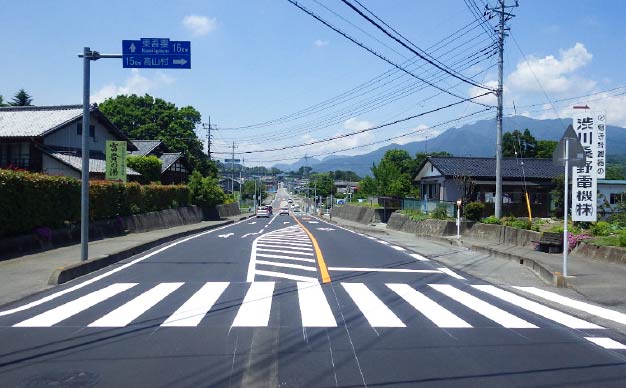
(64, 274)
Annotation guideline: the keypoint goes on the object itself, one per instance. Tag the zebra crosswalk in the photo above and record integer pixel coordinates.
(241, 305)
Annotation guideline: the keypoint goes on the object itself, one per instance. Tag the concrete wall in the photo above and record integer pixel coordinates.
(228, 210)
(360, 214)
(401, 222)
(612, 254)
(45, 239)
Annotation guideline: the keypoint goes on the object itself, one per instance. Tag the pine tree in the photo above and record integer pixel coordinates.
(22, 98)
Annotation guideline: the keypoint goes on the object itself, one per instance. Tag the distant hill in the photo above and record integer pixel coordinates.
(477, 139)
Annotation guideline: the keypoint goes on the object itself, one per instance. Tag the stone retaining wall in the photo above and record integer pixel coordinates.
(228, 210)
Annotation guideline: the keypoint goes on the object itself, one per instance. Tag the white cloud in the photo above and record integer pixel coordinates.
(556, 75)
(199, 25)
(320, 43)
(135, 84)
(354, 124)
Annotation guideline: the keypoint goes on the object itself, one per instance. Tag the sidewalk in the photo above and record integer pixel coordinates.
(597, 281)
(30, 274)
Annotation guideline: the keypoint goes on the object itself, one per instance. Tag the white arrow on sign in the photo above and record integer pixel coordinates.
(132, 47)
(179, 61)
(226, 235)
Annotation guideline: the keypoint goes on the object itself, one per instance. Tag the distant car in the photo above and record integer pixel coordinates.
(262, 212)
(284, 210)
(290, 200)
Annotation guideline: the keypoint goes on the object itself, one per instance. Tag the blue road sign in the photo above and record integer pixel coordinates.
(156, 53)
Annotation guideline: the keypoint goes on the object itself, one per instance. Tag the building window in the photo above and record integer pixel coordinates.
(615, 198)
(16, 155)
(92, 130)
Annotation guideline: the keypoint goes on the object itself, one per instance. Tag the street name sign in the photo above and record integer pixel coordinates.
(156, 53)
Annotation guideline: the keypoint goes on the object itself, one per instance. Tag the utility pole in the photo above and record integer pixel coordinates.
(232, 172)
(208, 127)
(504, 16)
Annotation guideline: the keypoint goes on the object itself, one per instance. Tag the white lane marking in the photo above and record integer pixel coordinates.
(252, 234)
(284, 251)
(286, 276)
(399, 270)
(111, 272)
(286, 265)
(227, 235)
(283, 242)
(586, 307)
(272, 220)
(325, 229)
(286, 222)
(286, 239)
(383, 242)
(255, 308)
(539, 309)
(276, 245)
(314, 307)
(397, 248)
(418, 257)
(374, 310)
(131, 310)
(431, 310)
(196, 307)
(252, 223)
(483, 308)
(448, 271)
(370, 237)
(64, 311)
(607, 343)
(252, 264)
(281, 257)
(313, 222)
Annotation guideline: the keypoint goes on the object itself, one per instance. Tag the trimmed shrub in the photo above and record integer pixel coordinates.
(492, 220)
(440, 213)
(30, 200)
(622, 239)
(473, 211)
(205, 192)
(148, 166)
(601, 228)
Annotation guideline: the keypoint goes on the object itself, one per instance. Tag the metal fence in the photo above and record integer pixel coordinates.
(428, 206)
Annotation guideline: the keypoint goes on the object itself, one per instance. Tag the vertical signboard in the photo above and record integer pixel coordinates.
(600, 140)
(116, 160)
(584, 178)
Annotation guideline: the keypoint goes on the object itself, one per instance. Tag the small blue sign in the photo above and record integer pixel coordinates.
(156, 53)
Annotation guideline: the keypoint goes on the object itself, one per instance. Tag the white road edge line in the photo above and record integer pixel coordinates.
(418, 257)
(111, 272)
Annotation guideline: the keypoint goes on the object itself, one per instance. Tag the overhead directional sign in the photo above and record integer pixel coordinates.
(156, 53)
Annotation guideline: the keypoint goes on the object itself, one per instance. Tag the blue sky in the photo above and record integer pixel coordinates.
(255, 61)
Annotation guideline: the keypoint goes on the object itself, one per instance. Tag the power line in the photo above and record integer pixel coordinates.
(416, 52)
(363, 46)
(368, 129)
(461, 32)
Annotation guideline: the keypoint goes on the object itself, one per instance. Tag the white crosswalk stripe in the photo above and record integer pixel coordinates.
(196, 307)
(130, 311)
(56, 315)
(396, 305)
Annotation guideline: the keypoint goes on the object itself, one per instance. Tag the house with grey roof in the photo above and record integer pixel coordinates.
(47, 139)
(474, 179)
(174, 166)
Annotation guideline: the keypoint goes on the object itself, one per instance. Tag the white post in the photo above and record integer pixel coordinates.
(458, 219)
(566, 208)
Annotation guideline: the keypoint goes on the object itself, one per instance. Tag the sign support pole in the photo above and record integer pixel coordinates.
(84, 188)
(566, 208)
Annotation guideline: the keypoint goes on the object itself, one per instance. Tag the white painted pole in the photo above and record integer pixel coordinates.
(566, 208)
(84, 189)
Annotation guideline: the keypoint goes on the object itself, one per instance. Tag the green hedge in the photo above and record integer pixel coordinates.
(29, 200)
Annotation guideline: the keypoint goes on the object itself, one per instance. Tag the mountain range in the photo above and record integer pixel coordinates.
(476, 139)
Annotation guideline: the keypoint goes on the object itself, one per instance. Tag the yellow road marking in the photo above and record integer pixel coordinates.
(318, 253)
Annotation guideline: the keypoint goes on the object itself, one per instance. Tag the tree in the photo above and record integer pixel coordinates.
(148, 166)
(205, 192)
(154, 118)
(22, 98)
(304, 170)
(324, 184)
(367, 186)
(545, 148)
(614, 172)
(524, 143)
(2, 101)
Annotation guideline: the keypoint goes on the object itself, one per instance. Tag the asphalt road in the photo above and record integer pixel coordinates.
(292, 301)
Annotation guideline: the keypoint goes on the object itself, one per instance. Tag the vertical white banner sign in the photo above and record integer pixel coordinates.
(584, 179)
(600, 140)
